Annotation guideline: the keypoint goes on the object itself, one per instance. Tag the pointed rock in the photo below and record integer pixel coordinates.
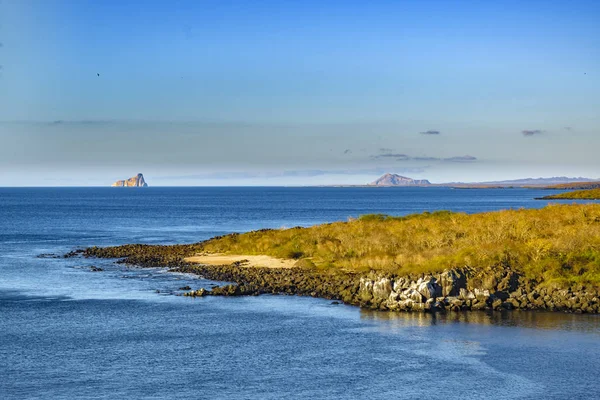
(136, 181)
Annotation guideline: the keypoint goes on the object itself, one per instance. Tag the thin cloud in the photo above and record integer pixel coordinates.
(88, 122)
(426, 159)
(397, 156)
(466, 158)
(568, 128)
(532, 132)
(430, 132)
(405, 157)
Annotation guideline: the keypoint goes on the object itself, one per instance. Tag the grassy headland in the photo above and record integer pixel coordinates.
(576, 185)
(545, 259)
(558, 244)
(589, 194)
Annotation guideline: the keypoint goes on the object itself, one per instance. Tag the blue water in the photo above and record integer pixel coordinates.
(67, 332)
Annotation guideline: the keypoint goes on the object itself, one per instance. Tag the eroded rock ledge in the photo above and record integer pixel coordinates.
(466, 289)
(457, 289)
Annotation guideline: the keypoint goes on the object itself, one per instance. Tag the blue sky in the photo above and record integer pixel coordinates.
(282, 92)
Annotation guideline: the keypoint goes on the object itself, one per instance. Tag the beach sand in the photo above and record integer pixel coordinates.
(248, 260)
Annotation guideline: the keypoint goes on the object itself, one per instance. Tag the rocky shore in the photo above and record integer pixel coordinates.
(458, 289)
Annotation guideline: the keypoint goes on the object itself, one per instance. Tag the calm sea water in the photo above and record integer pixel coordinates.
(67, 332)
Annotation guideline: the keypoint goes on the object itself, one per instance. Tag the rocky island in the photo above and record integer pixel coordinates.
(136, 181)
(398, 180)
(536, 259)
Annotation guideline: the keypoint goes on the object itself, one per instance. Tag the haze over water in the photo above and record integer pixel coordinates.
(67, 332)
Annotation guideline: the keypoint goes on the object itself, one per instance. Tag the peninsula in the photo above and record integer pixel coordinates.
(136, 181)
(544, 259)
(588, 194)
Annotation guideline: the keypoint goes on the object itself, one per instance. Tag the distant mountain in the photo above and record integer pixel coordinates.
(398, 180)
(136, 181)
(540, 181)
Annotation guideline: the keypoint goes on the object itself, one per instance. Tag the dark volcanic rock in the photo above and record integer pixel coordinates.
(48, 255)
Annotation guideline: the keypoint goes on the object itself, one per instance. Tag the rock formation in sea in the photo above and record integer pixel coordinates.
(398, 180)
(136, 181)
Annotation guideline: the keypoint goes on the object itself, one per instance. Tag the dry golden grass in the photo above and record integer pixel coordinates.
(559, 243)
(589, 194)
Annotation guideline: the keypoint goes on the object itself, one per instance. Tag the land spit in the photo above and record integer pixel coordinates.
(456, 289)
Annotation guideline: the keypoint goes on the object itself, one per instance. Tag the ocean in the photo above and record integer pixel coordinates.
(69, 333)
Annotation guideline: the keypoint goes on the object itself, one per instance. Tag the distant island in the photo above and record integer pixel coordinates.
(136, 181)
(590, 194)
(398, 180)
(556, 182)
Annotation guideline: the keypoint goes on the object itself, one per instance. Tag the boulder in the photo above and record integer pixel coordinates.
(430, 305)
(489, 282)
(405, 305)
(501, 295)
(429, 288)
(196, 293)
(414, 295)
(401, 284)
(509, 283)
(465, 294)
(382, 289)
(365, 290)
(451, 282)
(481, 295)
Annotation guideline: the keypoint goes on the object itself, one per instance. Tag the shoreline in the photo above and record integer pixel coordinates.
(457, 289)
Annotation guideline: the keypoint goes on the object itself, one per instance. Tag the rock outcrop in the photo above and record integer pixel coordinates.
(136, 181)
(462, 289)
(398, 180)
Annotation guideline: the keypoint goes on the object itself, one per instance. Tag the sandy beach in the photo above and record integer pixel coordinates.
(245, 260)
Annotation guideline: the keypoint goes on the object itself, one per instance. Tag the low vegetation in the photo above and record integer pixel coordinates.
(590, 194)
(558, 244)
(575, 185)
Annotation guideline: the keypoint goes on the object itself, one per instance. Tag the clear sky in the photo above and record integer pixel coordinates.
(297, 92)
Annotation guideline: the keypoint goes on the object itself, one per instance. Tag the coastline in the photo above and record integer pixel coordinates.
(587, 194)
(457, 289)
